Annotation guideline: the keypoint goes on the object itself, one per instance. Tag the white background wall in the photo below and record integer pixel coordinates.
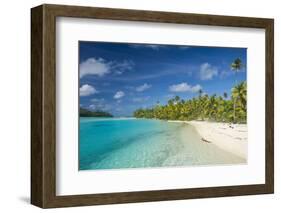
(15, 105)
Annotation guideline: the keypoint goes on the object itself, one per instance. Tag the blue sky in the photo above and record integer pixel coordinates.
(120, 77)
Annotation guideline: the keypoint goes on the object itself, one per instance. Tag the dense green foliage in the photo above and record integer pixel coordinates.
(236, 66)
(87, 113)
(203, 107)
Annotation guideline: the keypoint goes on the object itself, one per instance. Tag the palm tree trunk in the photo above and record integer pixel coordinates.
(234, 101)
(234, 106)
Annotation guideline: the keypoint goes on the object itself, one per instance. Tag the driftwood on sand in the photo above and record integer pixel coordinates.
(204, 140)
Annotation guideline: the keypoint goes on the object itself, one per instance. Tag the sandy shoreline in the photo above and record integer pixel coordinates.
(233, 140)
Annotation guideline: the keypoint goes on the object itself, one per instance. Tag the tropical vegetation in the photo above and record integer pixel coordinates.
(205, 107)
(202, 107)
(88, 113)
(236, 66)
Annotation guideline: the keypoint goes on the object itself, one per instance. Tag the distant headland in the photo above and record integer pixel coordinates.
(88, 113)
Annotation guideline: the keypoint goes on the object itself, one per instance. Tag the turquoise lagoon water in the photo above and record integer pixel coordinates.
(116, 143)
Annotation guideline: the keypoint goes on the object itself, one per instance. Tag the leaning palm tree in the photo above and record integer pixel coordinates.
(236, 66)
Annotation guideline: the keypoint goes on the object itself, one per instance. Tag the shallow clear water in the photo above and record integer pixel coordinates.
(112, 143)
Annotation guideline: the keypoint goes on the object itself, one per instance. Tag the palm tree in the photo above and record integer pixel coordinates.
(200, 92)
(236, 66)
(225, 95)
(177, 99)
(240, 93)
(216, 108)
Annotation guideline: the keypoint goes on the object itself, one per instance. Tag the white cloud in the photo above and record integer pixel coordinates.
(226, 73)
(97, 100)
(184, 87)
(118, 109)
(196, 88)
(169, 96)
(184, 47)
(99, 104)
(119, 94)
(93, 66)
(87, 90)
(154, 46)
(143, 87)
(207, 72)
(120, 67)
(100, 67)
(100, 107)
(151, 46)
(141, 99)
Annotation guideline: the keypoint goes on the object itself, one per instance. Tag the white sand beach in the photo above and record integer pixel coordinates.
(231, 138)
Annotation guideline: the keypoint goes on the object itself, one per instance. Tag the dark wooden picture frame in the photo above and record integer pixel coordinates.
(43, 105)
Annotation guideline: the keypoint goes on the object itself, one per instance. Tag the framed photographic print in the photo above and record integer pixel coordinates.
(137, 106)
